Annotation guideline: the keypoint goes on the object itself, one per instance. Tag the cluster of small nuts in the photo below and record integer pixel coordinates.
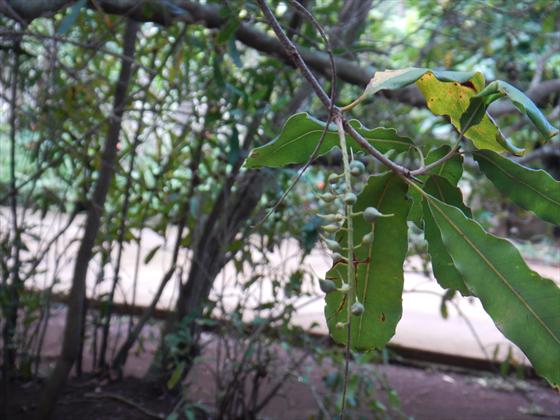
(339, 192)
(335, 222)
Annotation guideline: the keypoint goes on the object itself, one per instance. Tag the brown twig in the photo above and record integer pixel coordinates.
(296, 57)
(449, 155)
(126, 401)
(326, 40)
(294, 54)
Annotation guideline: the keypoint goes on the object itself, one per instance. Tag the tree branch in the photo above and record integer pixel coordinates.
(300, 63)
(74, 314)
(31, 9)
(293, 53)
(209, 15)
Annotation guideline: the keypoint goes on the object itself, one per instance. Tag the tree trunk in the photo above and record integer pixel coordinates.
(229, 213)
(13, 290)
(209, 257)
(72, 332)
(122, 354)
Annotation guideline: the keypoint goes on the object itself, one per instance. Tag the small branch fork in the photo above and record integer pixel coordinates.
(337, 113)
(301, 9)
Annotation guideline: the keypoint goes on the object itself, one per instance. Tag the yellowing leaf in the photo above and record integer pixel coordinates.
(452, 99)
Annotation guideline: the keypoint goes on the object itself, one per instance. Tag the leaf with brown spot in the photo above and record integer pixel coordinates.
(380, 279)
(452, 100)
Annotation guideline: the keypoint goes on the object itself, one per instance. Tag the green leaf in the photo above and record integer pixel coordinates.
(498, 89)
(443, 190)
(443, 267)
(234, 53)
(379, 267)
(534, 190)
(523, 305)
(451, 169)
(150, 255)
(300, 136)
(70, 19)
(228, 30)
(396, 79)
(452, 99)
(474, 113)
(234, 150)
(176, 375)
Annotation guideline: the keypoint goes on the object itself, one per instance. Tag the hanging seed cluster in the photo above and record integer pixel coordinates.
(340, 198)
(342, 195)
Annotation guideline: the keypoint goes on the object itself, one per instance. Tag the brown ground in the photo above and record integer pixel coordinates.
(428, 392)
(424, 395)
(432, 392)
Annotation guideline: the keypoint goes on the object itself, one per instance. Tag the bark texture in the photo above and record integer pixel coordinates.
(72, 331)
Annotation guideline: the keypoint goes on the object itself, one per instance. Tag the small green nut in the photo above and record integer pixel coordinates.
(341, 325)
(368, 238)
(331, 228)
(357, 309)
(329, 217)
(333, 178)
(350, 199)
(333, 245)
(337, 258)
(327, 286)
(371, 214)
(358, 187)
(327, 197)
(357, 168)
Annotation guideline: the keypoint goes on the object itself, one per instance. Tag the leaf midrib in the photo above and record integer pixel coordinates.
(500, 276)
(504, 171)
(370, 255)
(379, 140)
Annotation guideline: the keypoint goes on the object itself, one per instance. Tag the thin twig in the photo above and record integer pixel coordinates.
(422, 170)
(320, 404)
(313, 156)
(126, 401)
(294, 54)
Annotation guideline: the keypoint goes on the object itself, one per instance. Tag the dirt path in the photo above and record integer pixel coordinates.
(431, 392)
(428, 394)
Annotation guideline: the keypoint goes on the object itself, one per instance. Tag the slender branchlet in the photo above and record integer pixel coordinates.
(351, 294)
(294, 54)
(454, 150)
(331, 104)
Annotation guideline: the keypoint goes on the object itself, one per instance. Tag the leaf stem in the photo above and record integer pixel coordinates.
(353, 104)
(299, 62)
(350, 256)
(426, 168)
